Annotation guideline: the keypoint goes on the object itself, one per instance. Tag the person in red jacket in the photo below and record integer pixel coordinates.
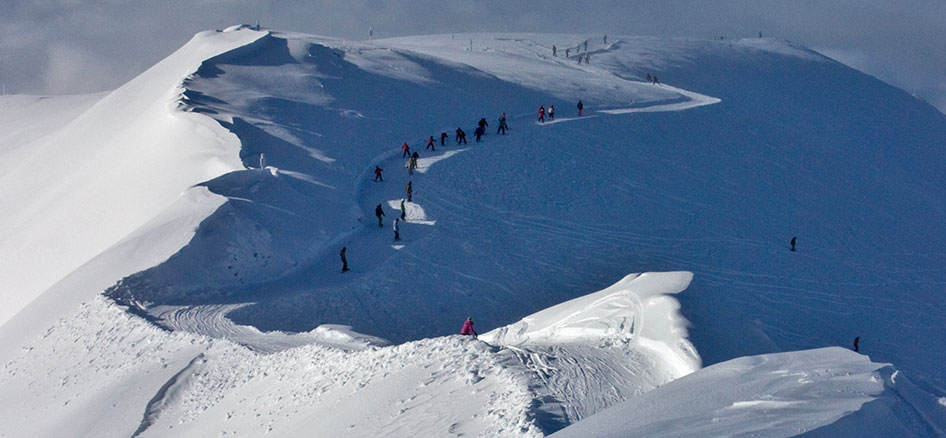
(542, 114)
(377, 174)
(406, 150)
(468, 328)
(430, 143)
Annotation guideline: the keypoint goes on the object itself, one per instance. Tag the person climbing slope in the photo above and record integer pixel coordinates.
(542, 114)
(377, 174)
(467, 328)
(443, 138)
(479, 133)
(430, 143)
(461, 136)
(344, 260)
(379, 212)
(551, 112)
(397, 229)
(409, 188)
(581, 106)
(405, 150)
(502, 124)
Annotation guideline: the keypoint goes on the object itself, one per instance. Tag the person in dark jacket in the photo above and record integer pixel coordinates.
(397, 229)
(409, 188)
(502, 124)
(379, 212)
(857, 342)
(377, 174)
(482, 123)
(443, 138)
(581, 106)
(478, 133)
(344, 260)
(461, 136)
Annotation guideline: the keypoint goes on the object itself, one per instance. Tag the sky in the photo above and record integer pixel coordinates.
(80, 46)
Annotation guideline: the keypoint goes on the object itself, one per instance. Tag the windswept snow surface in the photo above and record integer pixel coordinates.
(155, 193)
(829, 392)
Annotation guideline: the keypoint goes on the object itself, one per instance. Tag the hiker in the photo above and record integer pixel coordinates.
(443, 138)
(468, 328)
(482, 123)
(412, 163)
(554, 51)
(409, 188)
(461, 136)
(262, 161)
(656, 81)
(377, 174)
(649, 78)
(344, 260)
(567, 51)
(542, 114)
(502, 124)
(857, 342)
(479, 133)
(581, 106)
(605, 39)
(793, 244)
(579, 59)
(586, 46)
(430, 143)
(379, 212)
(587, 58)
(403, 210)
(405, 150)
(397, 234)
(551, 112)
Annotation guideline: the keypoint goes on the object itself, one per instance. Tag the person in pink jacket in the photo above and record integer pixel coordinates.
(468, 328)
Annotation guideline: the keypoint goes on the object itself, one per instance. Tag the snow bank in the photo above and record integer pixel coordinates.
(824, 392)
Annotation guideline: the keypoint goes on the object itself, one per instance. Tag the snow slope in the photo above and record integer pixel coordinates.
(154, 195)
(828, 392)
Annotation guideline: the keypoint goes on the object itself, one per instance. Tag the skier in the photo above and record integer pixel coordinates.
(405, 150)
(542, 114)
(377, 174)
(502, 124)
(397, 234)
(344, 260)
(409, 188)
(581, 106)
(468, 328)
(403, 210)
(793, 244)
(461, 136)
(379, 212)
(857, 342)
(443, 138)
(262, 161)
(478, 133)
(551, 112)
(430, 143)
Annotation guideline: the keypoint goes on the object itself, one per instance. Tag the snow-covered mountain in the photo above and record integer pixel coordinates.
(225, 311)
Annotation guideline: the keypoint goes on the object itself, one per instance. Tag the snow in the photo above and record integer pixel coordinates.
(224, 312)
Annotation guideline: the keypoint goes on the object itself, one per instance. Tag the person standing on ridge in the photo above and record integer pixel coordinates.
(403, 210)
(377, 174)
(605, 39)
(551, 112)
(857, 346)
(409, 188)
(405, 150)
(542, 114)
(502, 124)
(344, 260)
(397, 234)
(656, 81)
(467, 328)
(581, 106)
(443, 138)
(262, 161)
(649, 78)
(554, 51)
(430, 143)
(378, 211)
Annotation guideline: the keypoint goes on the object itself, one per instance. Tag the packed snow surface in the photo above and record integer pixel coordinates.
(211, 196)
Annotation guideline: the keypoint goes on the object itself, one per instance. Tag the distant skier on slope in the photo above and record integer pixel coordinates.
(377, 174)
(467, 328)
(378, 211)
(397, 234)
(409, 188)
(430, 143)
(502, 124)
(405, 150)
(581, 106)
(461, 136)
(344, 260)
(551, 112)
(542, 114)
